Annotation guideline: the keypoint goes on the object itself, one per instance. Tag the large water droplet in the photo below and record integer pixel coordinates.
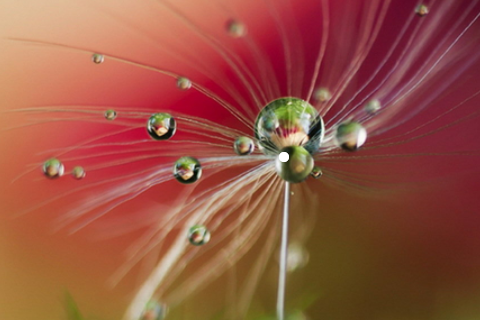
(288, 122)
(154, 311)
(198, 235)
(243, 146)
(421, 10)
(184, 83)
(236, 29)
(298, 165)
(350, 135)
(78, 173)
(110, 114)
(187, 170)
(322, 95)
(161, 126)
(53, 168)
(98, 58)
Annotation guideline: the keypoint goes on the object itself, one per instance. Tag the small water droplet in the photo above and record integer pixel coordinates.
(421, 10)
(316, 172)
(198, 235)
(184, 83)
(154, 311)
(98, 58)
(243, 146)
(78, 173)
(297, 256)
(373, 106)
(350, 135)
(161, 126)
(187, 170)
(236, 29)
(110, 114)
(322, 95)
(298, 165)
(53, 168)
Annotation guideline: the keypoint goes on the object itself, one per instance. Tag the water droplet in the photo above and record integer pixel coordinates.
(350, 135)
(161, 126)
(187, 170)
(322, 95)
(297, 256)
(373, 106)
(298, 166)
(316, 172)
(243, 146)
(236, 29)
(283, 157)
(98, 58)
(288, 122)
(198, 235)
(154, 311)
(184, 83)
(110, 114)
(421, 10)
(78, 173)
(53, 168)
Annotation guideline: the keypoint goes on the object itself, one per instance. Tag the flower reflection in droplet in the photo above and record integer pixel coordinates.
(410, 79)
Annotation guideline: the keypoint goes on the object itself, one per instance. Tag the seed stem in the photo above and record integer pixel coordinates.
(283, 256)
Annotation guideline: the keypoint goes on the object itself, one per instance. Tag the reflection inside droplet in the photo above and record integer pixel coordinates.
(53, 168)
(187, 170)
(198, 235)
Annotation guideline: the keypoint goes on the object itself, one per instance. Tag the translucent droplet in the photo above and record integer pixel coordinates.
(53, 168)
(298, 166)
(110, 114)
(184, 83)
(322, 95)
(243, 146)
(154, 311)
(98, 58)
(350, 135)
(421, 10)
(161, 126)
(78, 173)
(236, 29)
(373, 106)
(288, 122)
(297, 256)
(198, 235)
(316, 172)
(187, 170)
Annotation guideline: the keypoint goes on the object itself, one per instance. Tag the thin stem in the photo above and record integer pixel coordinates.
(283, 256)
